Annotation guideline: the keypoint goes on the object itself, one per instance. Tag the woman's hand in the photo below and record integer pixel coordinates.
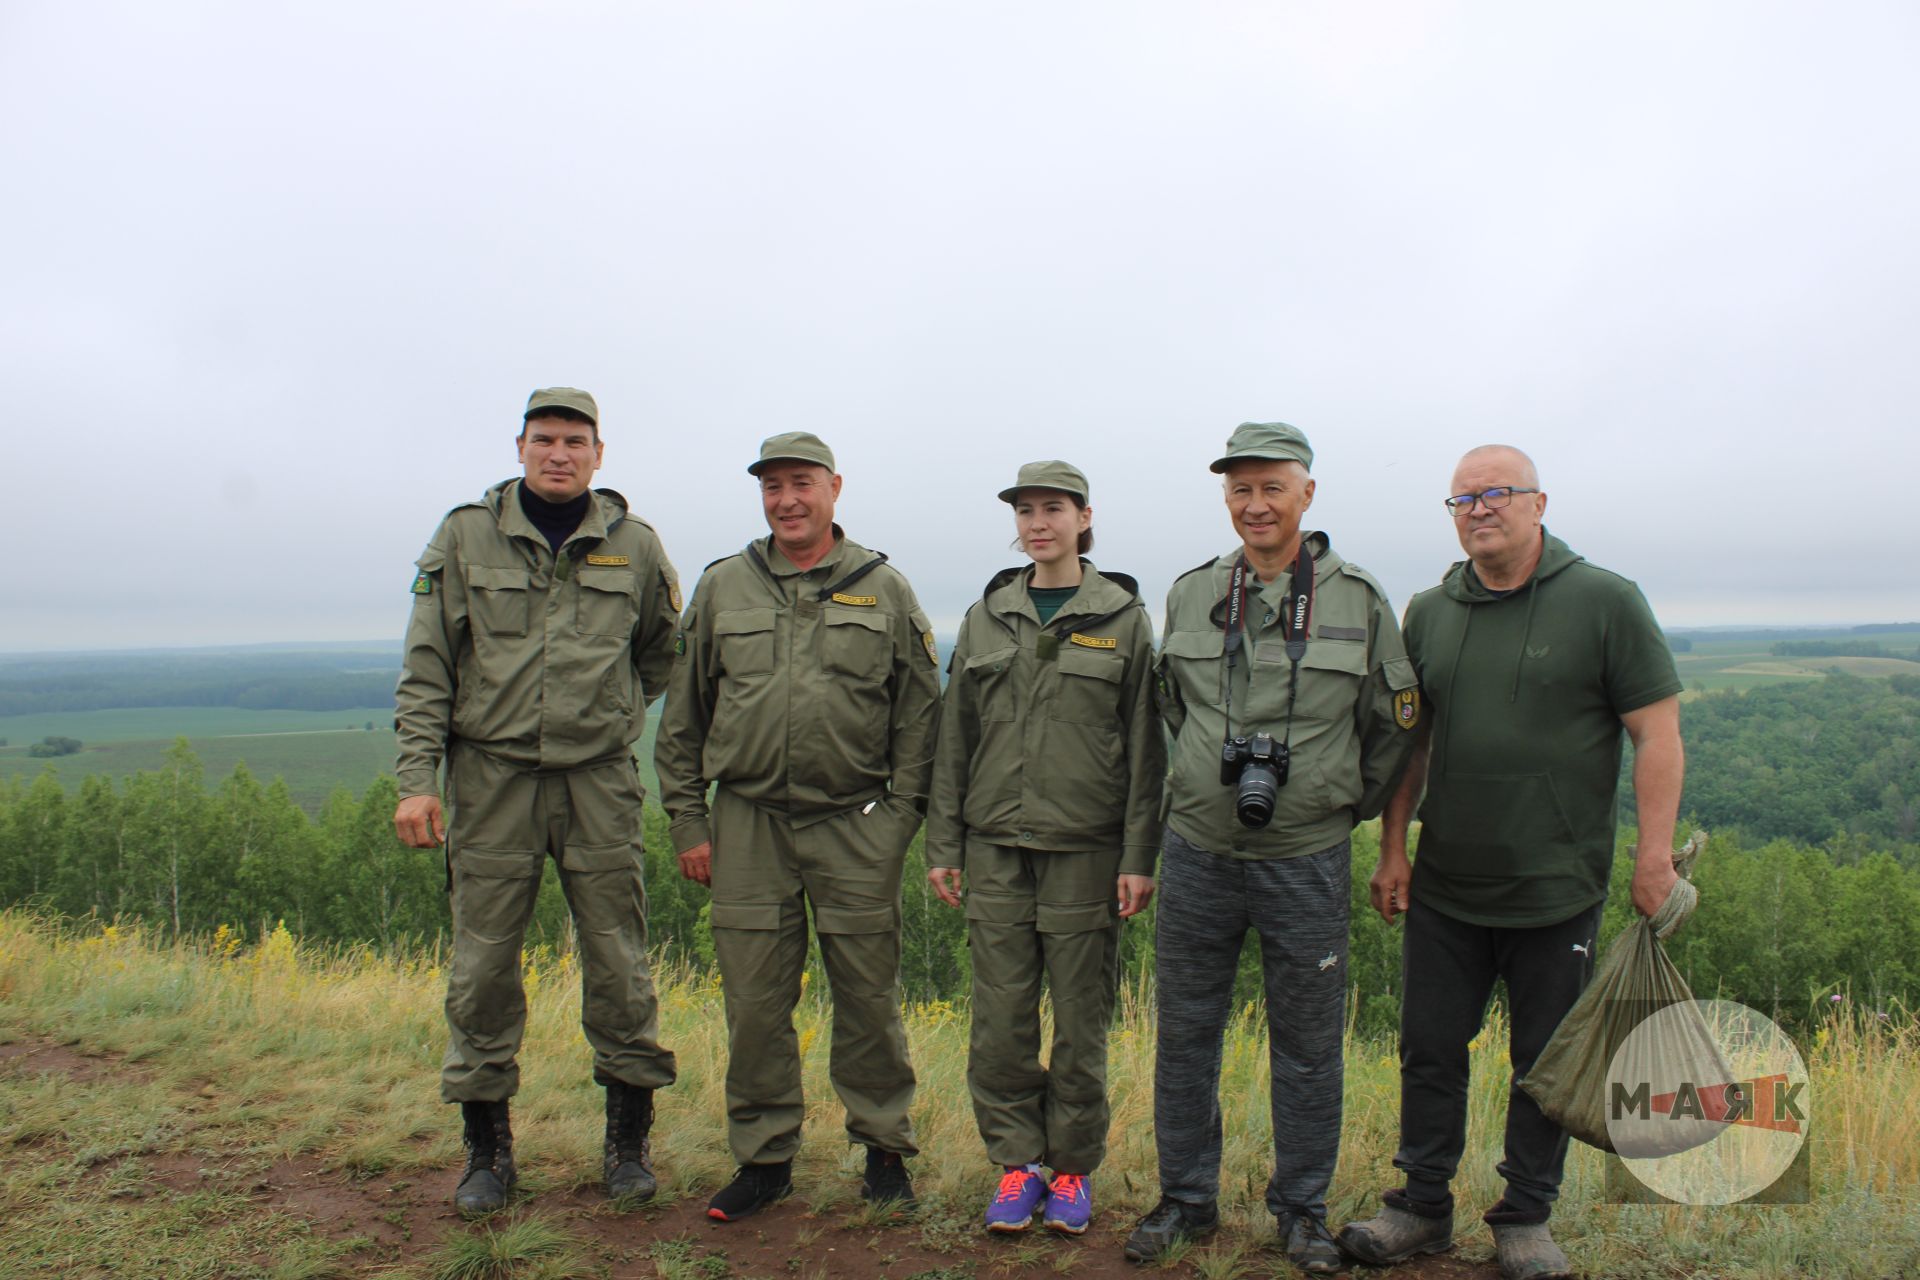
(1134, 893)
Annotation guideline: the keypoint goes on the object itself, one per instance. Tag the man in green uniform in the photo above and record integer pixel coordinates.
(807, 689)
(543, 621)
(1535, 662)
(1291, 703)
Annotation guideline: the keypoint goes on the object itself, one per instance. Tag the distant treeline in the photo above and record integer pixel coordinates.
(256, 681)
(1840, 649)
(1781, 925)
(1814, 761)
(1770, 634)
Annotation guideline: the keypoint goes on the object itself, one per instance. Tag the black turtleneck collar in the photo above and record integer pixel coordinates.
(556, 521)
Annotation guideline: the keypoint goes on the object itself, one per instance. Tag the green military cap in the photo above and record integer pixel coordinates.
(1268, 442)
(793, 446)
(1051, 474)
(562, 398)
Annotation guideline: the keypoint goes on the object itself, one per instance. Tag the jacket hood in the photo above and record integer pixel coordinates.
(1463, 584)
(1100, 592)
(613, 506)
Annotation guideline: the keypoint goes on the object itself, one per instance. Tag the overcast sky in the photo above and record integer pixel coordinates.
(278, 279)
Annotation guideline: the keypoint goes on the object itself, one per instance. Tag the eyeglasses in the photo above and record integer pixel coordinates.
(1492, 499)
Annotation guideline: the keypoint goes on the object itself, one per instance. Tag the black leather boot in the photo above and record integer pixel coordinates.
(629, 1152)
(488, 1176)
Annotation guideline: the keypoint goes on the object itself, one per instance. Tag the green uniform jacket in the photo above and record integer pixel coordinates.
(547, 662)
(1352, 726)
(1527, 689)
(805, 692)
(1063, 754)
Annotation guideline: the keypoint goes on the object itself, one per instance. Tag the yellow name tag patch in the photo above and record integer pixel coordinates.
(1094, 642)
(839, 598)
(609, 560)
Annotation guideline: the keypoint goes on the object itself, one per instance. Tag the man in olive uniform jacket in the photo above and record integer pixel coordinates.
(1277, 648)
(807, 688)
(543, 620)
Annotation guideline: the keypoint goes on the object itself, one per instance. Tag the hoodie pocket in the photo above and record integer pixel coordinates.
(1497, 825)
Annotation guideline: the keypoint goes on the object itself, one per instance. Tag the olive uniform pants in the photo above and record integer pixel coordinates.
(1033, 916)
(505, 824)
(766, 871)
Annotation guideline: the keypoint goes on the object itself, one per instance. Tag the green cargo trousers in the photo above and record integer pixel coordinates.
(1031, 916)
(505, 824)
(765, 873)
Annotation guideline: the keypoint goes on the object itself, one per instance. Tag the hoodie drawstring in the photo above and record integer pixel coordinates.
(1526, 634)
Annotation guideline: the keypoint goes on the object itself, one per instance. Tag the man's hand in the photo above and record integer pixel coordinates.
(697, 864)
(1653, 879)
(419, 823)
(946, 883)
(1134, 894)
(1388, 888)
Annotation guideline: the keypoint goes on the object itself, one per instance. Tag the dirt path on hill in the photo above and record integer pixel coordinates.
(405, 1216)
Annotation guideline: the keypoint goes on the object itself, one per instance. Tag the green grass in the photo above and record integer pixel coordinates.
(235, 1059)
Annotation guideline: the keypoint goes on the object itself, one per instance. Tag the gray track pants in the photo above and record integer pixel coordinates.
(1299, 907)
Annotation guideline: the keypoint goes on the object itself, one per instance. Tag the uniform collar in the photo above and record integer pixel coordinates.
(514, 522)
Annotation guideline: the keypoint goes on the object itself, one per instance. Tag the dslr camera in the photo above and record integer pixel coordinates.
(1256, 768)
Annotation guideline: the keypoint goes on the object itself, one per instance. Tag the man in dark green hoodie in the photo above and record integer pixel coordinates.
(1531, 662)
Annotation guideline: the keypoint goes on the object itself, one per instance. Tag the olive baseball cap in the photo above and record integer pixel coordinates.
(1266, 442)
(1051, 474)
(562, 398)
(793, 446)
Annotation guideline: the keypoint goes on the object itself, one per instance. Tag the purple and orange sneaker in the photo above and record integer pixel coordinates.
(1069, 1203)
(1019, 1194)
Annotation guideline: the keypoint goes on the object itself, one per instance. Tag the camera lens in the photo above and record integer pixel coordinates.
(1259, 788)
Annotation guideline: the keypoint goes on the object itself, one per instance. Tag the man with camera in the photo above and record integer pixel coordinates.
(1292, 707)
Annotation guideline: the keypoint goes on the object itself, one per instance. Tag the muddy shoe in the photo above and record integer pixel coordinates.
(1170, 1222)
(886, 1180)
(628, 1162)
(488, 1175)
(1527, 1252)
(1396, 1233)
(1309, 1244)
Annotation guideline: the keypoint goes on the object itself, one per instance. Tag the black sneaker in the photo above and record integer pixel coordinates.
(753, 1188)
(887, 1181)
(489, 1173)
(627, 1162)
(1169, 1223)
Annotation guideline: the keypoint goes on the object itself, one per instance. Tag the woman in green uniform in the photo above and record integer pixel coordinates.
(1046, 800)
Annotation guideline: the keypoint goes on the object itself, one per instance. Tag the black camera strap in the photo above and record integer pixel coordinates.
(1296, 615)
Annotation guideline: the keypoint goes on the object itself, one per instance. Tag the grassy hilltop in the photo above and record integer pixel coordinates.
(229, 1107)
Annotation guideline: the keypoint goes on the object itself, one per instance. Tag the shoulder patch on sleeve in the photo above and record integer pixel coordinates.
(1406, 708)
(422, 583)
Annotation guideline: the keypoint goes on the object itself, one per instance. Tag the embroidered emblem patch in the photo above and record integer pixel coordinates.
(864, 601)
(933, 650)
(609, 560)
(422, 584)
(673, 595)
(680, 644)
(1406, 708)
(1094, 642)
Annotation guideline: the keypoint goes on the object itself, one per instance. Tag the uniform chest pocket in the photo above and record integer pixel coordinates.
(1192, 661)
(606, 605)
(499, 600)
(991, 675)
(1330, 676)
(744, 641)
(1088, 691)
(856, 643)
